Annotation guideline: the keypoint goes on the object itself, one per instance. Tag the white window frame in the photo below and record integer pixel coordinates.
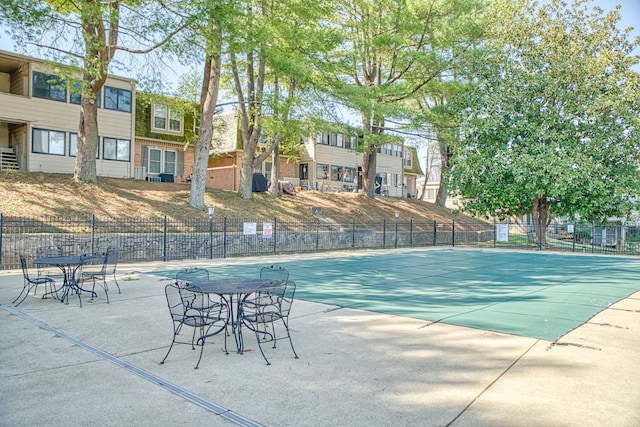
(168, 117)
(151, 161)
(408, 158)
(165, 163)
(160, 165)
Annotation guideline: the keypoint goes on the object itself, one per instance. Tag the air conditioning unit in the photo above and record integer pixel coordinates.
(140, 172)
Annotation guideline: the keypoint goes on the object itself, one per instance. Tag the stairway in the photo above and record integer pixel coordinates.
(8, 159)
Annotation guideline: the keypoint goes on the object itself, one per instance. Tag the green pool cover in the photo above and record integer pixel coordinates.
(537, 295)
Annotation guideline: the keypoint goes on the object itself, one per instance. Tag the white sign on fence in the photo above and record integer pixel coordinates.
(249, 228)
(502, 232)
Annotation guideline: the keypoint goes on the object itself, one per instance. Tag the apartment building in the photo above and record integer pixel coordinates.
(151, 137)
(39, 119)
(165, 137)
(330, 162)
(225, 159)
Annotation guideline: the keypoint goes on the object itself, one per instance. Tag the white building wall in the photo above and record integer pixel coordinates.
(37, 113)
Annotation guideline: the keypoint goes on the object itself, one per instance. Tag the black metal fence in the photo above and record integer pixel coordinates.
(167, 239)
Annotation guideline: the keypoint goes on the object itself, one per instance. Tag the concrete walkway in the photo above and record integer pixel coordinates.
(98, 365)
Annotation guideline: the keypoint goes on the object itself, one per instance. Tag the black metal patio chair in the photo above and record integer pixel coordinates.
(192, 274)
(275, 272)
(263, 309)
(98, 273)
(32, 283)
(193, 308)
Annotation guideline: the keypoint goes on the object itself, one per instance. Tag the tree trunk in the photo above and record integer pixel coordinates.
(369, 171)
(275, 170)
(540, 215)
(246, 178)
(87, 142)
(208, 101)
(441, 197)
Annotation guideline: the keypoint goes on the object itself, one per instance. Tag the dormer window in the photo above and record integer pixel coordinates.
(166, 119)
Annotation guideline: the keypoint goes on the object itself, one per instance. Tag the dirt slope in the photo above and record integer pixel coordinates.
(37, 195)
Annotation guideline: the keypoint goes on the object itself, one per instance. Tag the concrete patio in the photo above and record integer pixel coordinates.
(99, 365)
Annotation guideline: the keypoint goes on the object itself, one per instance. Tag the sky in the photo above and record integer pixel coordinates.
(629, 13)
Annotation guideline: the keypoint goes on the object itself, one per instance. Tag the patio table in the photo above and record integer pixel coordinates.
(69, 264)
(238, 288)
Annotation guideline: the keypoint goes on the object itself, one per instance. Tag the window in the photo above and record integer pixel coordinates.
(322, 171)
(386, 149)
(117, 99)
(116, 149)
(48, 86)
(348, 174)
(336, 139)
(351, 142)
(155, 160)
(48, 142)
(160, 117)
(166, 118)
(170, 162)
(175, 121)
(161, 161)
(323, 138)
(304, 171)
(408, 159)
(394, 179)
(336, 173)
(75, 94)
(397, 150)
(73, 146)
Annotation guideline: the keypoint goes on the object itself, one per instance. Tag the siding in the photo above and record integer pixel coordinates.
(20, 108)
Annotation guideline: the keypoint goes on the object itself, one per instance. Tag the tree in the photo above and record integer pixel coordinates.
(392, 51)
(550, 123)
(59, 26)
(270, 42)
(212, 33)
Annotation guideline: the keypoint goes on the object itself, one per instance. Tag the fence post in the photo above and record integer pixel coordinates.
(224, 237)
(453, 233)
(495, 232)
(210, 236)
(593, 236)
(317, 234)
(384, 233)
(396, 233)
(93, 234)
(411, 232)
(435, 227)
(275, 234)
(575, 231)
(164, 242)
(353, 233)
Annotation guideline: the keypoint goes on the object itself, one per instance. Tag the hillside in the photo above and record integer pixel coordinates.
(37, 195)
